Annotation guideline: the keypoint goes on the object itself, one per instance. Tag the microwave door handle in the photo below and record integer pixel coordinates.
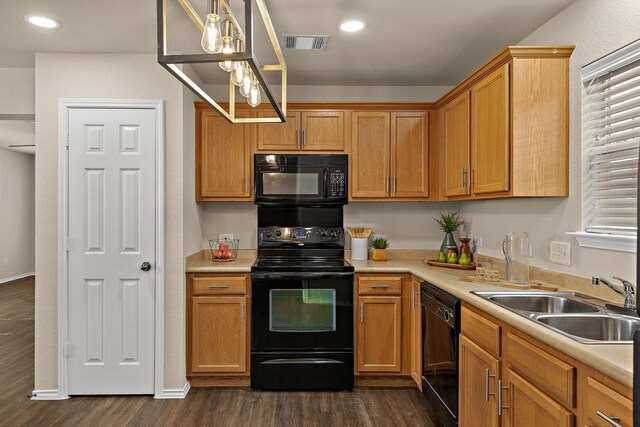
(325, 192)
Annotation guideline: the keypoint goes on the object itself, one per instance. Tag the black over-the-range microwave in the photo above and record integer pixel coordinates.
(301, 179)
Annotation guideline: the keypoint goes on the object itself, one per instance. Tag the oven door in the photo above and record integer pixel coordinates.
(301, 311)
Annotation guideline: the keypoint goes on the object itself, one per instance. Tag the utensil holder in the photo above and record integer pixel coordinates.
(359, 249)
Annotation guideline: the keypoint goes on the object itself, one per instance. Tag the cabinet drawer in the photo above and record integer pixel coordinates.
(380, 285)
(217, 285)
(547, 372)
(604, 402)
(481, 330)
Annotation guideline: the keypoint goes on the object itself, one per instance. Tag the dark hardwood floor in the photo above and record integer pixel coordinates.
(214, 407)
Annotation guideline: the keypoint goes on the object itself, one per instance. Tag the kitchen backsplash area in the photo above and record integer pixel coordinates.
(406, 225)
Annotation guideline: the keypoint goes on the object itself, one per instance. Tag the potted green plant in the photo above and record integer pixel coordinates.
(379, 246)
(448, 222)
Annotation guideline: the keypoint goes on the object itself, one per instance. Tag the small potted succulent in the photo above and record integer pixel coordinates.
(379, 245)
(448, 222)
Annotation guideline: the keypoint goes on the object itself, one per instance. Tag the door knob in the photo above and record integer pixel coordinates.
(145, 266)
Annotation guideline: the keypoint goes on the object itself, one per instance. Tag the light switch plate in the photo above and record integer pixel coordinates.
(477, 241)
(560, 252)
(225, 236)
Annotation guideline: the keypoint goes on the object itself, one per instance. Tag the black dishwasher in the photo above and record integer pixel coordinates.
(440, 330)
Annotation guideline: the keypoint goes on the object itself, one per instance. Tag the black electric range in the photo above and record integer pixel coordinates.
(301, 301)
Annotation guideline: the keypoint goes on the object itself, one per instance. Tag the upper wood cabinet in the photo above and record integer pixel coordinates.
(303, 130)
(505, 128)
(223, 158)
(490, 133)
(390, 155)
(457, 145)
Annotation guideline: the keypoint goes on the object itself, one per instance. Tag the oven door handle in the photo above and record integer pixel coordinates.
(303, 361)
(295, 275)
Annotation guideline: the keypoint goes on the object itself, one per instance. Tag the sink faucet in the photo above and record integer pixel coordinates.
(628, 291)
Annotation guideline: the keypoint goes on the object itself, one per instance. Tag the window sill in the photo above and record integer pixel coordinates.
(605, 241)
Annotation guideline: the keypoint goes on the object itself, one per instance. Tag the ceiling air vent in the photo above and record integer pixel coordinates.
(304, 42)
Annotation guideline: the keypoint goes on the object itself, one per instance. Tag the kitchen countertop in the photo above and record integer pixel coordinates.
(615, 360)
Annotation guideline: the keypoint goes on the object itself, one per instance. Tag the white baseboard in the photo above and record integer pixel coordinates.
(175, 393)
(19, 276)
(46, 395)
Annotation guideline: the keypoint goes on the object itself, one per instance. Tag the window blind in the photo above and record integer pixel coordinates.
(611, 145)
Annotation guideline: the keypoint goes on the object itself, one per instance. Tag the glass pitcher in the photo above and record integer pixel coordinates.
(517, 251)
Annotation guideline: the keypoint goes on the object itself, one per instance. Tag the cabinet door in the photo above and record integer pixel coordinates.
(410, 154)
(379, 334)
(219, 334)
(603, 402)
(490, 133)
(323, 130)
(527, 406)
(279, 136)
(223, 158)
(416, 334)
(479, 371)
(370, 146)
(457, 146)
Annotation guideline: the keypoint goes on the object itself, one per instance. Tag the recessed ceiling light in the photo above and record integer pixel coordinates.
(42, 21)
(351, 25)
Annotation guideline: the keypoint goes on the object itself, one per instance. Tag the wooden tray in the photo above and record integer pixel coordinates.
(435, 263)
(533, 284)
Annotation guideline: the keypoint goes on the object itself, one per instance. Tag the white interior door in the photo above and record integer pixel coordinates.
(112, 229)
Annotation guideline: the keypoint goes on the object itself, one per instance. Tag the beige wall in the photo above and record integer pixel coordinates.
(17, 214)
(106, 76)
(17, 91)
(596, 27)
(406, 225)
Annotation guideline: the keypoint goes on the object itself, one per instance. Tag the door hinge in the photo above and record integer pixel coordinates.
(67, 141)
(65, 349)
(67, 244)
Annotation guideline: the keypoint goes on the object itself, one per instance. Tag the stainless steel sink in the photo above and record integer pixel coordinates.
(605, 327)
(581, 317)
(543, 303)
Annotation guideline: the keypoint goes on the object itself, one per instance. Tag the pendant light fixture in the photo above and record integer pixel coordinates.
(227, 45)
(233, 49)
(211, 36)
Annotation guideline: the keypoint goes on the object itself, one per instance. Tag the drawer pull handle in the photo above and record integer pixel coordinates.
(487, 375)
(218, 286)
(380, 286)
(610, 420)
(500, 388)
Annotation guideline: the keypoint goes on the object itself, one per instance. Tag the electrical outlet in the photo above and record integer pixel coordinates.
(225, 236)
(378, 236)
(560, 252)
(477, 241)
(6, 261)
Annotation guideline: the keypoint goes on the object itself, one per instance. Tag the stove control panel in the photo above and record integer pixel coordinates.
(307, 234)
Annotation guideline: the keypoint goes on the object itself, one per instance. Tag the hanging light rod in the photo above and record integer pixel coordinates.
(210, 43)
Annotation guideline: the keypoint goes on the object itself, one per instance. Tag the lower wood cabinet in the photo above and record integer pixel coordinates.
(217, 329)
(379, 329)
(510, 379)
(478, 373)
(527, 405)
(416, 333)
(386, 334)
(602, 405)
(219, 334)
